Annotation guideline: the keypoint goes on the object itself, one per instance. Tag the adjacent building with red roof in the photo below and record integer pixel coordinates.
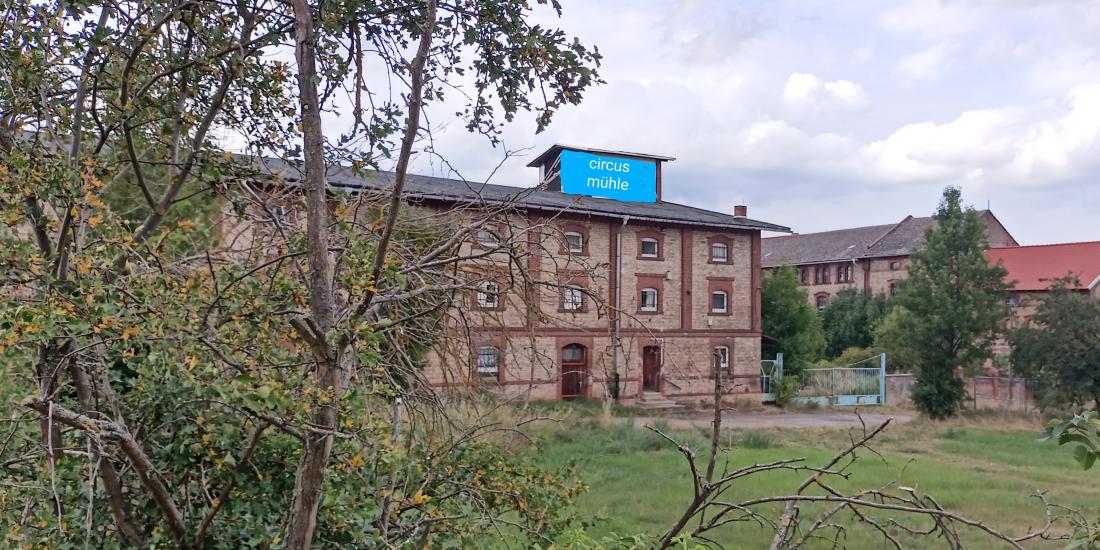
(1035, 268)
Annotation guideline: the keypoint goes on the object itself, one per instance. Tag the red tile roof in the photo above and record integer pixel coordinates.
(1035, 267)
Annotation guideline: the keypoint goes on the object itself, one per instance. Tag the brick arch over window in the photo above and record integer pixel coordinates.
(719, 239)
(579, 228)
(654, 235)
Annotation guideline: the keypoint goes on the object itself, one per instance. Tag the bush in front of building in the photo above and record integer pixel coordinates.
(1059, 351)
(790, 319)
(849, 320)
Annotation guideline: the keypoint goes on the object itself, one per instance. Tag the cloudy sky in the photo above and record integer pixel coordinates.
(824, 114)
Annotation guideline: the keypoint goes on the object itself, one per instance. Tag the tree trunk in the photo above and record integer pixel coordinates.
(318, 446)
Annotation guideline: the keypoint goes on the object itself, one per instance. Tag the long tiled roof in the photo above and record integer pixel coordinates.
(431, 188)
(875, 241)
(827, 246)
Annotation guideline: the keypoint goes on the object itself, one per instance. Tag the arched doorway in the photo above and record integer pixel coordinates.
(651, 368)
(574, 371)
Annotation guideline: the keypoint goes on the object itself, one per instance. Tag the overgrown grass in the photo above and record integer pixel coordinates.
(986, 467)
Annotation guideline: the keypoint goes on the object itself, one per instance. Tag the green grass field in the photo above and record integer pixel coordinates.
(983, 467)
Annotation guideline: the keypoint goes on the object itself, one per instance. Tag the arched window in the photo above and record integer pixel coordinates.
(574, 242)
(719, 252)
(718, 301)
(572, 298)
(822, 301)
(488, 238)
(488, 362)
(488, 295)
(650, 248)
(649, 299)
(722, 358)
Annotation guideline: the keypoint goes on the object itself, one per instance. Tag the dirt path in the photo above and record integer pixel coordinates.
(753, 420)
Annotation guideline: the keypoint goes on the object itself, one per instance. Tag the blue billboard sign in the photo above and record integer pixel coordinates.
(618, 178)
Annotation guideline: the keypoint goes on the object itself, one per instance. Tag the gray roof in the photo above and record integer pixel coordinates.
(827, 246)
(431, 188)
(875, 241)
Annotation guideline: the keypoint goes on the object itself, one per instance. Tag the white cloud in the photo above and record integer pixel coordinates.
(807, 88)
(1039, 145)
(928, 63)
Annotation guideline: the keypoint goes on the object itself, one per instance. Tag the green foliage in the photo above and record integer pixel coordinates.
(954, 306)
(789, 318)
(786, 389)
(1083, 431)
(891, 338)
(850, 318)
(1059, 350)
(851, 356)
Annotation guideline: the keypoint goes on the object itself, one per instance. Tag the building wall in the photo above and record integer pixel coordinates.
(531, 337)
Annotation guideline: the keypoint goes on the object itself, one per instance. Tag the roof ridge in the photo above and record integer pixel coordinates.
(831, 231)
(889, 231)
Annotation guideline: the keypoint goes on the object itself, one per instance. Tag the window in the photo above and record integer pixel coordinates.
(488, 238)
(574, 242)
(893, 288)
(822, 301)
(895, 265)
(488, 295)
(572, 297)
(821, 275)
(804, 276)
(649, 299)
(650, 248)
(844, 273)
(722, 358)
(573, 353)
(718, 301)
(719, 252)
(488, 362)
(1013, 300)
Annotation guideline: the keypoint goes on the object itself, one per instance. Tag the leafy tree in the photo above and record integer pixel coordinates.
(850, 318)
(1059, 351)
(954, 305)
(166, 388)
(789, 318)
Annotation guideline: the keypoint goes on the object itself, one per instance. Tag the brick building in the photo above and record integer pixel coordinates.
(1033, 269)
(871, 258)
(676, 288)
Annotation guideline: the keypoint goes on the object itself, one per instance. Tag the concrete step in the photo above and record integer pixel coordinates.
(654, 400)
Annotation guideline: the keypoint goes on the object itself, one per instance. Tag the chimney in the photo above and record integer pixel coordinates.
(741, 211)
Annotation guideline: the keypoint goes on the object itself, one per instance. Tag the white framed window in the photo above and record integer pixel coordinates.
(722, 358)
(488, 238)
(650, 248)
(719, 252)
(718, 300)
(574, 242)
(488, 295)
(488, 362)
(649, 299)
(572, 298)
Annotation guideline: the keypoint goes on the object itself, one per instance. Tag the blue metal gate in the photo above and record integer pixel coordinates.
(851, 385)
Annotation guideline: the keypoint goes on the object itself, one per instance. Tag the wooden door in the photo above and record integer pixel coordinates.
(574, 371)
(651, 368)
